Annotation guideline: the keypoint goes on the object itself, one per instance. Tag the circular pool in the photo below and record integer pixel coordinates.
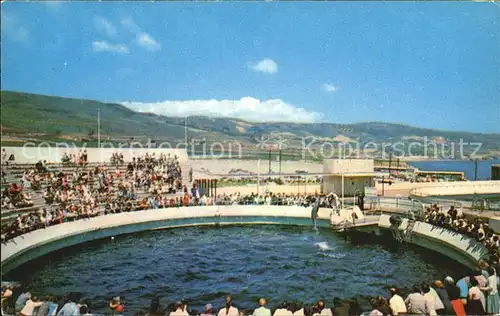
(204, 264)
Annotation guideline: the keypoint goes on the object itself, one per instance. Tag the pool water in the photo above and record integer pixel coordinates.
(203, 264)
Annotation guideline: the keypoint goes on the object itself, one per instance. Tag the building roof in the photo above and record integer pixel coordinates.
(354, 174)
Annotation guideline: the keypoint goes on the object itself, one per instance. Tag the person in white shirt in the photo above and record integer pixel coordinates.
(229, 310)
(299, 312)
(283, 310)
(179, 310)
(439, 306)
(262, 310)
(323, 311)
(431, 301)
(397, 303)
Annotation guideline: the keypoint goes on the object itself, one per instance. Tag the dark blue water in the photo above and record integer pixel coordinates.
(467, 166)
(202, 265)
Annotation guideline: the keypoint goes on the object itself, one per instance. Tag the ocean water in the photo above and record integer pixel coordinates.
(467, 166)
(202, 265)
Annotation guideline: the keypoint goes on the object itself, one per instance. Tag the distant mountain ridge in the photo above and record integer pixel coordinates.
(26, 114)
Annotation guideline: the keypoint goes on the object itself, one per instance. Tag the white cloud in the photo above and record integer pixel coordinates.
(142, 38)
(105, 26)
(13, 29)
(145, 40)
(103, 46)
(129, 24)
(329, 88)
(247, 108)
(266, 66)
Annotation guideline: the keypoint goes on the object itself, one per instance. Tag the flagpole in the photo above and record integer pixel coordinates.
(99, 133)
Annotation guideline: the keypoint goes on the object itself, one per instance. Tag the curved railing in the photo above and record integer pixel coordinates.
(457, 188)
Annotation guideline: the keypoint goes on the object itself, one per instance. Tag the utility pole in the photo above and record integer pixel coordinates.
(99, 128)
(185, 131)
(258, 177)
(269, 165)
(390, 161)
(475, 169)
(280, 161)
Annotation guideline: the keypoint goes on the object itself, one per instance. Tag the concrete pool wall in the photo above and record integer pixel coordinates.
(43, 241)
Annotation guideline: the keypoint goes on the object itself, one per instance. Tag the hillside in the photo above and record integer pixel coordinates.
(31, 116)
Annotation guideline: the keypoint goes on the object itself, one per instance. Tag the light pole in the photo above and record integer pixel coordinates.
(269, 165)
(185, 132)
(258, 177)
(343, 157)
(99, 128)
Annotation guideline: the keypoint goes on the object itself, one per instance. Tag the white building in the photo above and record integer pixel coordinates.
(357, 174)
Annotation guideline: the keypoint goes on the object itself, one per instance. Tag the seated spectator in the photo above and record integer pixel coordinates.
(283, 310)
(208, 310)
(229, 309)
(416, 302)
(323, 311)
(116, 306)
(299, 310)
(262, 310)
(179, 310)
(375, 311)
(397, 303)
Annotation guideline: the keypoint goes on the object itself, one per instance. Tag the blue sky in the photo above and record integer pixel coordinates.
(433, 65)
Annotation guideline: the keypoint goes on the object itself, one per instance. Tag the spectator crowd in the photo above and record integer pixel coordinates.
(89, 191)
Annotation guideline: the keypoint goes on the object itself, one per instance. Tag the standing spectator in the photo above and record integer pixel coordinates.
(474, 304)
(444, 297)
(262, 310)
(492, 297)
(416, 302)
(430, 300)
(6, 295)
(69, 308)
(463, 284)
(30, 306)
(21, 301)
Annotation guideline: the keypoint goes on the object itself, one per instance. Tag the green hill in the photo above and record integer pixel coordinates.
(39, 117)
